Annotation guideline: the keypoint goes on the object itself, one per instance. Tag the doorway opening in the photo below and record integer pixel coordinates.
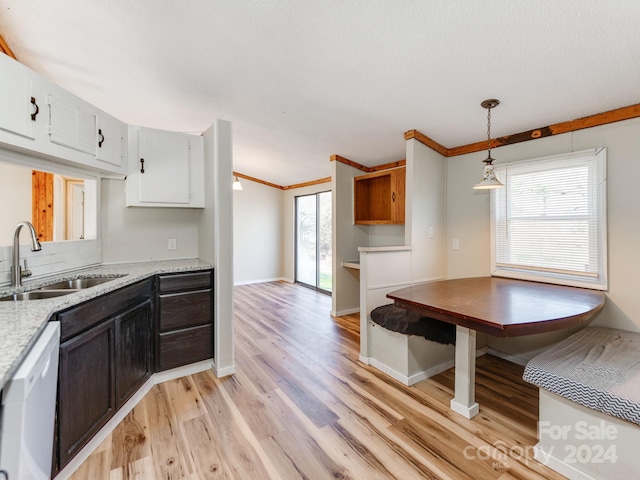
(313, 241)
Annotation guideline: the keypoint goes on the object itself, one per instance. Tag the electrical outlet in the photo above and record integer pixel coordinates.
(456, 244)
(430, 232)
(172, 244)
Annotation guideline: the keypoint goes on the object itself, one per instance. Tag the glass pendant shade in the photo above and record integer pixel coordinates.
(236, 184)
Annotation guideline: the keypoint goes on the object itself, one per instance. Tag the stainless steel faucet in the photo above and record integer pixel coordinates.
(17, 272)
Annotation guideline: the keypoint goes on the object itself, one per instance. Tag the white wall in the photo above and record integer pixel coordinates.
(215, 238)
(15, 193)
(140, 233)
(425, 210)
(257, 233)
(385, 235)
(347, 237)
(468, 219)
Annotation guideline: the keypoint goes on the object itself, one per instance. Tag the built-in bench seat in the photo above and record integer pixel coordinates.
(596, 367)
(589, 404)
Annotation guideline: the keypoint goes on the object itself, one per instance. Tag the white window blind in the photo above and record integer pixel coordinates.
(549, 222)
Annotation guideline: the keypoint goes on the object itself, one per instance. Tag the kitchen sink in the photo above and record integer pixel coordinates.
(79, 283)
(36, 295)
(59, 289)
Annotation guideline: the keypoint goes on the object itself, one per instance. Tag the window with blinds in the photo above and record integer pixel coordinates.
(549, 222)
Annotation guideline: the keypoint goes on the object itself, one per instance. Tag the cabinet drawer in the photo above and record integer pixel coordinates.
(84, 316)
(185, 281)
(181, 310)
(185, 346)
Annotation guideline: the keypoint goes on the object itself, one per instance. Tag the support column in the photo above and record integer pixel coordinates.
(464, 400)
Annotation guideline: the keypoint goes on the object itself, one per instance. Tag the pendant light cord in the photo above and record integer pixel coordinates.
(489, 133)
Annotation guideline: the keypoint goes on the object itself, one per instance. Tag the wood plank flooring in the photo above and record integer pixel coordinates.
(301, 406)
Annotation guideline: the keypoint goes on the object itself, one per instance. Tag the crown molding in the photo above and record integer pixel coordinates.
(4, 48)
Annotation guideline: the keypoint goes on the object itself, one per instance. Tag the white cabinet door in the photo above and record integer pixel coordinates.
(166, 169)
(19, 107)
(72, 123)
(44, 120)
(112, 135)
(163, 166)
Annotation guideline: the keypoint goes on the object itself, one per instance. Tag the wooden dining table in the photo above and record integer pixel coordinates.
(496, 306)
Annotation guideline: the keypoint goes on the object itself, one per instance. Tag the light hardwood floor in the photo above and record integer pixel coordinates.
(302, 406)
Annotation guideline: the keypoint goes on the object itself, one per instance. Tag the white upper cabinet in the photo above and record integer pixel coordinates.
(72, 123)
(21, 107)
(112, 140)
(166, 169)
(44, 120)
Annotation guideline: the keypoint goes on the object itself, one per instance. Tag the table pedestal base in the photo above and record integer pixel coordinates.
(464, 400)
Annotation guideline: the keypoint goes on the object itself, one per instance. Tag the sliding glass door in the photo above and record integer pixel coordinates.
(313, 241)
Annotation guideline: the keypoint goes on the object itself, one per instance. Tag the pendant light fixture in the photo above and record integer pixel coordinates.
(236, 184)
(489, 179)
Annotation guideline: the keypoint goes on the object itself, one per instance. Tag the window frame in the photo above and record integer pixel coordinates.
(599, 282)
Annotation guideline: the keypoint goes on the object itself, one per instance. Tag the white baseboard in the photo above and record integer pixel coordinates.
(182, 371)
(429, 372)
(435, 370)
(224, 371)
(427, 280)
(263, 280)
(508, 357)
(113, 422)
(389, 371)
(559, 466)
(416, 377)
(348, 311)
(413, 379)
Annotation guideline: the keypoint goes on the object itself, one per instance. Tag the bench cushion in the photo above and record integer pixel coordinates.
(411, 323)
(596, 367)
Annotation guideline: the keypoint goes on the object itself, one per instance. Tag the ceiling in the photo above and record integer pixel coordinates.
(303, 79)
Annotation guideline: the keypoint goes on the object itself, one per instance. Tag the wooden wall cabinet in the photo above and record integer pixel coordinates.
(184, 328)
(379, 198)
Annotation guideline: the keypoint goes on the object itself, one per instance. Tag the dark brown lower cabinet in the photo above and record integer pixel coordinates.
(184, 328)
(133, 350)
(185, 346)
(102, 366)
(109, 346)
(86, 398)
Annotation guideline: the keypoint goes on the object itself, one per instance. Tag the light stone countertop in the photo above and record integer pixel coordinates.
(21, 322)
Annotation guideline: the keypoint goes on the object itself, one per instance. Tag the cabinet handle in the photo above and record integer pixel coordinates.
(142, 165)
(34, 114)
(101, 138)
(4, 475)
(393, 197)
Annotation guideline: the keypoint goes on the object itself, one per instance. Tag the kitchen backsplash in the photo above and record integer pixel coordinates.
(55, 257)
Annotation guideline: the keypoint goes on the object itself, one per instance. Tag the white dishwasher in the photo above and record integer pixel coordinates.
(28, 411)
